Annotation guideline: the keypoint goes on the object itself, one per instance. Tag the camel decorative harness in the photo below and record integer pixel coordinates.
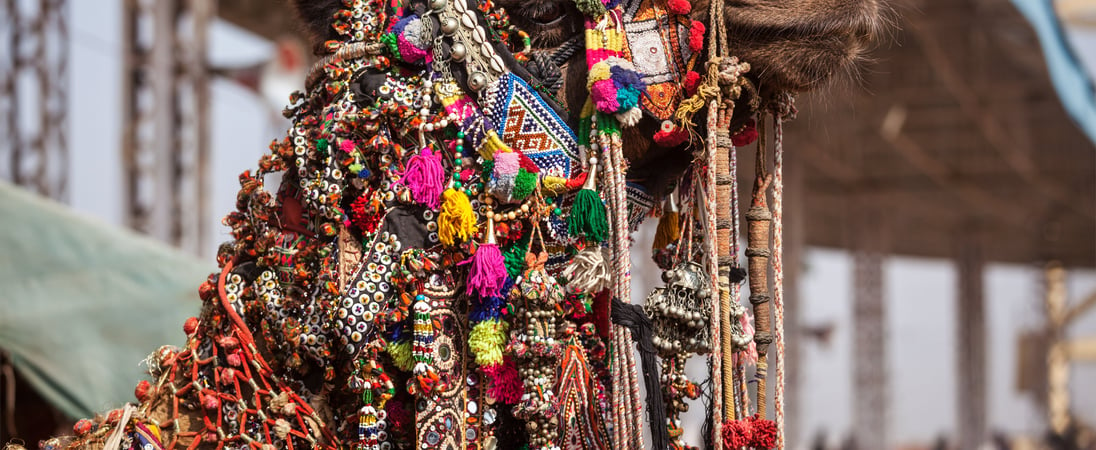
(446, 262)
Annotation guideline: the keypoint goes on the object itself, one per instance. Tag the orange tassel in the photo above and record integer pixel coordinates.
(669, 230)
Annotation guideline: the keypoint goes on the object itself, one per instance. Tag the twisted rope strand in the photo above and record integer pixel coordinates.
(719, 388)
(778, 274)
(759, 253)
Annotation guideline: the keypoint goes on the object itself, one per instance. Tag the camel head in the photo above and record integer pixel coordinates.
(791, 46)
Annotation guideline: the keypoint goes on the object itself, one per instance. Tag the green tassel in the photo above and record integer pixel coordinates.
(514, 259)
(588, 216)
(392, 42)
(591, 8)
(524, 184)
(401, 354)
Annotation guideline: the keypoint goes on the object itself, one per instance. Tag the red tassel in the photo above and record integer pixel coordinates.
(506, 386)
(670, 135)
(142, 390)
(736, 434)
(762, 433)
(190, 326)
(696, 36)
(746, 135)
(577, 181)
(692, 81)
(528, 164)
(680, 6)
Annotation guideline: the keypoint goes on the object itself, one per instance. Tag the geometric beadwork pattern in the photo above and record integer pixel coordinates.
(659, 51)
(524, 121)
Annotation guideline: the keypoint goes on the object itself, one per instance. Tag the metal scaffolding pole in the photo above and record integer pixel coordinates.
(34, 95)
(971, 344)
(870, 377)
(166, 108)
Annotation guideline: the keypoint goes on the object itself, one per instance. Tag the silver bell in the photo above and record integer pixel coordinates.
(449, 26)
(477, 81)
(458, 51)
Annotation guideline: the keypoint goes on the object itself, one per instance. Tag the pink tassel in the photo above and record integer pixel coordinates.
(507, 163)
(488, 271)
(506, 386)
(424, 177)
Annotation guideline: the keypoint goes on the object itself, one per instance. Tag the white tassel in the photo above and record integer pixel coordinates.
(630, 117)
(114, 442)
(588, 272)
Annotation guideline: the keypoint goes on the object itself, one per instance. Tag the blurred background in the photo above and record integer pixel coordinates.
(940, 213)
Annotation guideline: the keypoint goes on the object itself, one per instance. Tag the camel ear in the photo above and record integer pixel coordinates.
(800, 45)
(316, 16)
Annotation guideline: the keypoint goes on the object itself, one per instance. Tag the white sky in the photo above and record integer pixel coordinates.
(920, 292)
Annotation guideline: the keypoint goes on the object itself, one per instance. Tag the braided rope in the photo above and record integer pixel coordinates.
(624, 280)
(718, 310)
(626, 403)
(778, 274)
(617, 401)
(724, 235)
(736, 289)
(759, 253)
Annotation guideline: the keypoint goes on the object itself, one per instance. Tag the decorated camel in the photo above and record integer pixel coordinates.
(444, 262)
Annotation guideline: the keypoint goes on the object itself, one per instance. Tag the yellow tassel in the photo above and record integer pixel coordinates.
(553, 185)
(669, 230)
(492, 144)
(487, 340)
(456, 221)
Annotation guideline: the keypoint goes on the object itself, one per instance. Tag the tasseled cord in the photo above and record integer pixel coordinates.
(456, 220)
(488, 272)
(669, 226)
(506, 385)
(587, 215)
(588, 273)
(633, 317)
(424, 176)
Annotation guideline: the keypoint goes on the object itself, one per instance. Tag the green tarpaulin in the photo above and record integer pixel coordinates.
(82, 303)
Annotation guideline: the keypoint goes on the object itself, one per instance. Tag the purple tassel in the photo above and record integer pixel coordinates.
(487, 275)
(424, 177)
(488, 272)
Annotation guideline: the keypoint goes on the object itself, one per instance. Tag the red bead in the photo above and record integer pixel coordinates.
(142, 390)
(82, 427)
(190, 326)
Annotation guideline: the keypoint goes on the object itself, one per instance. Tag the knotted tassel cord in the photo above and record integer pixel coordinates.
(736, 287)
(635, 319)
(781, 109)
(759, 221)
(726, 259)
(612, 144)
(718, 310)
